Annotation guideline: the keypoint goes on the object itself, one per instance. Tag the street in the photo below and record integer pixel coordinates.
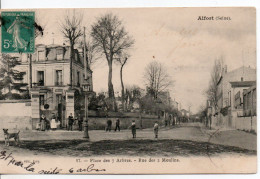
(186, 140)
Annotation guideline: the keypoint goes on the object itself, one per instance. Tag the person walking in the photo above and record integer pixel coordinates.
(133, 127)
(156, 129)
(109, 125)
(117, 125)
(43, 122)
(80, 121)
(71, 121)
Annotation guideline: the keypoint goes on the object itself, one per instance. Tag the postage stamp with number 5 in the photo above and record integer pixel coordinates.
(18, 32)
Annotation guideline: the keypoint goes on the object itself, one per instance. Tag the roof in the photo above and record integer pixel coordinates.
(249, 89)
(232, 72)
(242, 83)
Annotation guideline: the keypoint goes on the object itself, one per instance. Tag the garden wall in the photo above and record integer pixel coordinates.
(15, 114)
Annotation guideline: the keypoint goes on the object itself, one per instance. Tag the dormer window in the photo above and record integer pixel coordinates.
(59, 54)
(41, 56)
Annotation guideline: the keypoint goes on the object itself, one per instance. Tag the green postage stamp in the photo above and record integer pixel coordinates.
(18, 32)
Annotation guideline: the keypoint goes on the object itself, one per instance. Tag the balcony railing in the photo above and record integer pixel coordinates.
(59, 83)
(40, 83)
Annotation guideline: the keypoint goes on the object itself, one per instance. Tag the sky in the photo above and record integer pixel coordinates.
(186, 46)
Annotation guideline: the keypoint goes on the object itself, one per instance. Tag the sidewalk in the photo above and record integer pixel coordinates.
(231, 137)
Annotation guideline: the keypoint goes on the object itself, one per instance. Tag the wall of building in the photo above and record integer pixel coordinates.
(16, 114)
(246, 123)
(240, 123)
(248, 74)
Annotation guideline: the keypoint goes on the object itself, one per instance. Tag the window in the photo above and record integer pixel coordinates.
(40, 78)
(24, 80)
(41, 55)
(78, 78)
(59, 54)
(58, 78)
(42, 102)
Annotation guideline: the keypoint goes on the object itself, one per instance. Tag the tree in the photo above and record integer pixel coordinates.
(110, 39)
(121, 60)
(71, 29)
(157, 79)
(10, 79)
(132, 94)
(213, 84)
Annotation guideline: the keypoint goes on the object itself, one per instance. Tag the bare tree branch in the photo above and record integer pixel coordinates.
(157, 79)
(110, 39)
(216, 71)
(71, 29)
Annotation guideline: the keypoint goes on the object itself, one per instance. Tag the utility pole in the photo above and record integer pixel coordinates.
(30, 71)
(85, 122)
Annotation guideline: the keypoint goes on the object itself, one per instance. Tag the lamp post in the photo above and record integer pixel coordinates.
(86, 88)
(210, 116)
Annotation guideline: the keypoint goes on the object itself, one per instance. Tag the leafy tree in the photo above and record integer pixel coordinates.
(132, 94)
(10, 79)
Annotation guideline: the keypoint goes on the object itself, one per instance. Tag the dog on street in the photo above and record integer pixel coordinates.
(9, 136)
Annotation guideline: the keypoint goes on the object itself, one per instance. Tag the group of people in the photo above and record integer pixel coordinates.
(172, 120)
(52, 124)
(46, 124)
(132, 127)
(71, 121)
(109, 125)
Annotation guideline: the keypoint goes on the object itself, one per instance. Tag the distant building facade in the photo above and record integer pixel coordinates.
(224, 85)
(249, 98)
(236, 101)
(231, 102)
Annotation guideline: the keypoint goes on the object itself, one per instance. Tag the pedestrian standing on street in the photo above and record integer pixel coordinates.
(156, 129)
(117, 125)
(80, 121)
(165, 122)
(53, 123)
(109, 125)
(48, 124)
(43, 122)
(173, 120)
(71, 121)
(133, 127)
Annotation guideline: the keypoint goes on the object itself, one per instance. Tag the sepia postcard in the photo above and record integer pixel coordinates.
(128, 91)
